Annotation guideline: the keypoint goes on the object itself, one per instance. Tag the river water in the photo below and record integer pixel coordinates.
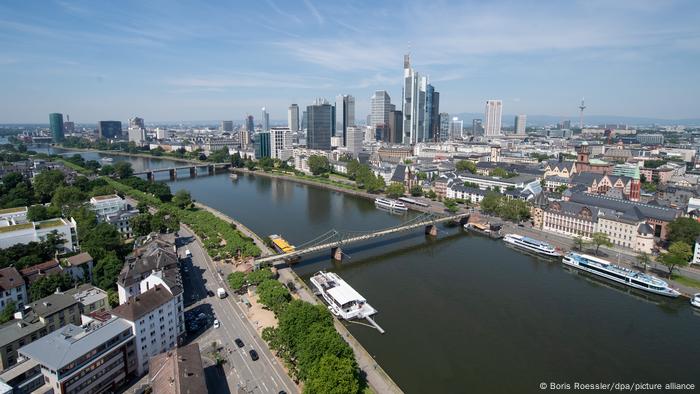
(464, 313)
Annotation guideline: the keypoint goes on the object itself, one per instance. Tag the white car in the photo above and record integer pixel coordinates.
(216, 323)
(188, 253)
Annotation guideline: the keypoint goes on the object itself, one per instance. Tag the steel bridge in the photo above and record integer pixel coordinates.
(211, 170)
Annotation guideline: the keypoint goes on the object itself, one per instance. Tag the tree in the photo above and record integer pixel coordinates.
(579, 243)
(374, 184)
(678, 255)
(684, 230)
(47, 285)
(258, 276)
(237, 161)
(107, 170)
(491, 202)
(451, 205)
(431, 194)
(395, 190)
(37, 213)
(68, 198)
(236, 280)
(643, 259)
(100, 240)
(465, 165)
(8, 312)
(141, 224)
(219, 156)
(319, 164)
(123, 169)
(333, 375)
(417, 191)
(46, 183)
(273, 294)
(182, 199)
(600, 239)
(106, 271)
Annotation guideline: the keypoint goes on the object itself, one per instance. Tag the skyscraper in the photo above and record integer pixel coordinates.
(395, 127)
(494, 109)
(227, 126)
(262, 144)
(520, 124)
(380, 108)
(56, 126)
(456, 128)
(68, 126)
(355, 136)
(344, 115)
(265, 120)
(444, 126)
(413, 103)
(280, 143)
(250, 124)
(320, 125)
(137, 122)
(304, 121)
(293, 118)
(109, 129)
(477, 127)
(431, 128)
(137, 131)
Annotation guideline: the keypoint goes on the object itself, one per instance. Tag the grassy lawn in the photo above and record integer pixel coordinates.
(685, 281)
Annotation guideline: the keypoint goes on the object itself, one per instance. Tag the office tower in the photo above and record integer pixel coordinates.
(280, 143)
(344, 115)
(320, 125)
(137, 122)
(395, 127)
(355, 136)
(261, 142)
(565, 124)
(68, 126)
(109, 129)
(477, 127)
(494, 109)
(431, 127)
(380, 106)
(265, 120)
(136, 131)
(444, 126)
(293, 118)
(520, 123)
(413, 103)
(381, 133)
(227, 126)
(456, 128)
(250, 124)
(56, 126)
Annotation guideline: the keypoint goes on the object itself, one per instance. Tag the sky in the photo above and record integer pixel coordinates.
(220, 60)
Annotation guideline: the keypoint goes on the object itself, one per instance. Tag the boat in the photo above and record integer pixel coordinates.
(106, 160)
(491, 231)
(281, 245)
(695, 301)
(233, 176)
(626, 276)
(343, 301)
(531, 245)
(390, 204)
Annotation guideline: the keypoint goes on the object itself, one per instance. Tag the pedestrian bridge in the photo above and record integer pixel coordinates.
(333, 240)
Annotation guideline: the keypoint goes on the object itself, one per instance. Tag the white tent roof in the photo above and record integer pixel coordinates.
(345, 294)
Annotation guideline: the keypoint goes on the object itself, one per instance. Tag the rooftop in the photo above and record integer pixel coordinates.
(19, 328)
(178, 371)
(13, 210)
(106, 197)
(10, 278)
(79, 259)
(143, 304)
(16, 227)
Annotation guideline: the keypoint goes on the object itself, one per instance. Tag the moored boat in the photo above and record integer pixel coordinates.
(695, 300)
(343, 301)
(532, 245)
(390, 204)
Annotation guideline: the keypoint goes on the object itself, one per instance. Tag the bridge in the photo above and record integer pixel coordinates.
(211, 170)
(333, 240)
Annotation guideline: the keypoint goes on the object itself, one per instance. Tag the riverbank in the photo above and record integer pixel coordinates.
(142, 155)
(377, 379)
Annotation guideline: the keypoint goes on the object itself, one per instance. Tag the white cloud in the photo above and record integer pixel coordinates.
(314, 11)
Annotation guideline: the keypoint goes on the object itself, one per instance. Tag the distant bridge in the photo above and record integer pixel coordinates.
(333, 239)
(211, 170)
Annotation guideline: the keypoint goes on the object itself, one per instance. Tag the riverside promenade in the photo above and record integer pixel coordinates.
(377, 379)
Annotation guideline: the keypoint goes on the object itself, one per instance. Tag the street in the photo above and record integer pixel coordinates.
(199, 275)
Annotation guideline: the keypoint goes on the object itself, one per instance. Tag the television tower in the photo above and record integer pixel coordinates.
(581, 107)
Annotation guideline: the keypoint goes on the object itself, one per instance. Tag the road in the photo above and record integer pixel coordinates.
(262, 376)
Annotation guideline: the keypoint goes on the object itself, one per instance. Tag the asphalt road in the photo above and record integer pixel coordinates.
(262, 376)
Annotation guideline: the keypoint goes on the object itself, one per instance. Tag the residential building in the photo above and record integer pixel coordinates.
(344, 115)
(22, 378)
(522, 181)
(79, 266)
(107, 204)
(493, 113)
(696, 252)
(90, 298)
(94, 358)
(281, 143)
(354, 140)
(261, 142)
(114, 210)
(227, 126)
(157, 321)
(459, 191)
(320, 125)
(520, 124)
(36, 320)
(265, 120)
(12, 233)
(244, 139)
(35, 272)
(380, 106)
(56, 127)
(293, 118)
(137, 135)
(413, 103)
(12, 288)
(178, 371)
(109, 129)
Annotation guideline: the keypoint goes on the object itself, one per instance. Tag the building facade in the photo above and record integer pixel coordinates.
(520, 124)
(320, 125)
(413, 103)
(493, 113)
(281, 143)
(12, 288)
(293, 118)
(56, 127)
(262, 144)
(109, 129)
(344, 115)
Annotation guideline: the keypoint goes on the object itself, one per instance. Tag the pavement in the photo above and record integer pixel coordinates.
(265, 375)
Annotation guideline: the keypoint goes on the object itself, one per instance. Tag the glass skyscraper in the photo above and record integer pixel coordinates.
(262, 144)
(320, 120)
(109, 129)
(56, 126)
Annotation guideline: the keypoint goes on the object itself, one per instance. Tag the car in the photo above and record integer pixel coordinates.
(239, 343)
(210, 293)
(216, 323)
(188, 253)
(253, 354)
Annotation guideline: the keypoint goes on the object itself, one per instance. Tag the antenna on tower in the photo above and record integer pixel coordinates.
(581, 107)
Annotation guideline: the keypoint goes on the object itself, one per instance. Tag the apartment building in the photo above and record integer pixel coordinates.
(12, 288)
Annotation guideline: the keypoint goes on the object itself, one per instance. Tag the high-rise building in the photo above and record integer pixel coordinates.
(320, 125)
(355, 136)
(413, 103)
(380, 108)
(344, 115)
(136, 132)
(456, 128)
(293, 118)
(68, 126)
(250, 124)
(494, 110)
(245, 139)
(261, 141)
(265, 120)
(227, 126)
(444, 126)
(520, 124)
(395, 127)
(432, 114)
(477, 127)
(280, 143)
(304, 120)
(56, 126)
(109, 129)
(137, 122)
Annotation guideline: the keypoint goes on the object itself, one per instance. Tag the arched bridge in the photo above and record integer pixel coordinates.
(211, 170)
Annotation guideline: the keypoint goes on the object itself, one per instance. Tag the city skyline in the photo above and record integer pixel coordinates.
(201, 62)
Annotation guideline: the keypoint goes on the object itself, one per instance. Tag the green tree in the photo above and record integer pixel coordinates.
(100, 240)
(395, 190)
(465, 165)
(416, 190)
(106, 271)
(491, 202)
(643, 259)
(236, 281)
(258, 276)
(333, 375)
(450, 205)
(600, 239)
(678, 255)
(352, 167)
(273, 294)
(68, 198)
(8, 312)
(220, 156)
(431, 194)
(37, 213)
(141, 224)
(684, 230)
(237, 161)
(319, 164)
(579, 243)
(46, 182)
(182, 199)
(107, 170)
(123, 169)
(47, 285)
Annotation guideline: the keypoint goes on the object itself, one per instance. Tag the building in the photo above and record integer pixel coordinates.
(561, 169)
(56, 126)
(624, 186)
(13, 233)
(457, 190)
(456, 128)
(109, 129)
(90, 298)
(585, 164)
(395, 127)
(570, 219)
(432, 114)
(78, 266)
(265, 120)
(94, 358)
(493, 113)
(36, 320)
(520, 124)
(178, 371)
(413, 103)
(293, 118)
(250, 124)
(35, 272)
(107, 204)
(344, 115)
(245, 139)
(320, 125)
(650, 139)
(444, 127)
(227, 126)
(380, 106)
(354, 140)
(261, 142)
(18, 214)
(157, 321)
(281, 143)
(477, 127)
(137, 136)
(68, 126)
(12, 288)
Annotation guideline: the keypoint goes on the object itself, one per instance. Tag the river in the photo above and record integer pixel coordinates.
(465, 313)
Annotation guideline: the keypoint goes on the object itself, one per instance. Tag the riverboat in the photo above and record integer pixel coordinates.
(390, 204)
(695, 301)
(532, 245)
(343, 301)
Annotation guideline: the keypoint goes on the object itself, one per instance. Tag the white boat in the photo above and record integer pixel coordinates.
(106, 160)
(695, 301)
(343, 301)
(531, 245)
(390, 204)
(626, 276)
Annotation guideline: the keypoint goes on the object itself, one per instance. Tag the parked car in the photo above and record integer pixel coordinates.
(216, 323)
(239, 343)
(253, 354)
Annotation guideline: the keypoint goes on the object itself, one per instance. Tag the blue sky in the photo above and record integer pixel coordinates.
(191, 60)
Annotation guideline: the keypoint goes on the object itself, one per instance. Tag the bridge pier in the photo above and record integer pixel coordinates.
(337, 254)
(431, 230)
(173, 173)
(150, 176)
(193, 172)
(210, 169)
